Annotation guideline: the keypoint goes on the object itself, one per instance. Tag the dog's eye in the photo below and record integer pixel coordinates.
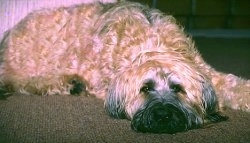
(146, 89)
(176, 88)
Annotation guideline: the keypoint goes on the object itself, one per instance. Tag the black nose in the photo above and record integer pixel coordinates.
(160, 118)
(166, 118)
(161, 115)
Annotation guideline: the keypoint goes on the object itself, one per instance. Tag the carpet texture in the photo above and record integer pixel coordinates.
(69, 119)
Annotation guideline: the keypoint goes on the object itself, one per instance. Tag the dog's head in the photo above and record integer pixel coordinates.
(159, 82)
(162, 97)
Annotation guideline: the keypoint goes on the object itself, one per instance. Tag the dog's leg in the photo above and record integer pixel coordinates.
(64, 84)
(232, 91)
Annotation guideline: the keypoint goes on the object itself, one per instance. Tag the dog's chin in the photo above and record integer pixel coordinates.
(160, 118)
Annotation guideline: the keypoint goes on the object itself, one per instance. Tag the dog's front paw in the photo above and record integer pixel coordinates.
(78, 87)
(75, 85)
(6, 90)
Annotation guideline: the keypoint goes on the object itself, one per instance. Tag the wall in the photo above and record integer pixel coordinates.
(207, 14)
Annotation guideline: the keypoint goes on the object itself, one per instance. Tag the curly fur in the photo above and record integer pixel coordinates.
(135, 58)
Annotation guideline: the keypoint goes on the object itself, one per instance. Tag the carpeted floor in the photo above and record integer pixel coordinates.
(83, 119)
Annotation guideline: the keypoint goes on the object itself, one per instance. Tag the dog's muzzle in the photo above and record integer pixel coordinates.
(160, 117)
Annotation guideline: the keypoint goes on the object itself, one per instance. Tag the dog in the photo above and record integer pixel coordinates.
(137, 59)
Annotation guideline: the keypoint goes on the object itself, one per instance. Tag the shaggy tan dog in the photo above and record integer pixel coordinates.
(135, 58)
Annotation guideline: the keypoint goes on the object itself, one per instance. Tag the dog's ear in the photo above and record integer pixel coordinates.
(210, 103)
(114, 102)
(209, 98)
